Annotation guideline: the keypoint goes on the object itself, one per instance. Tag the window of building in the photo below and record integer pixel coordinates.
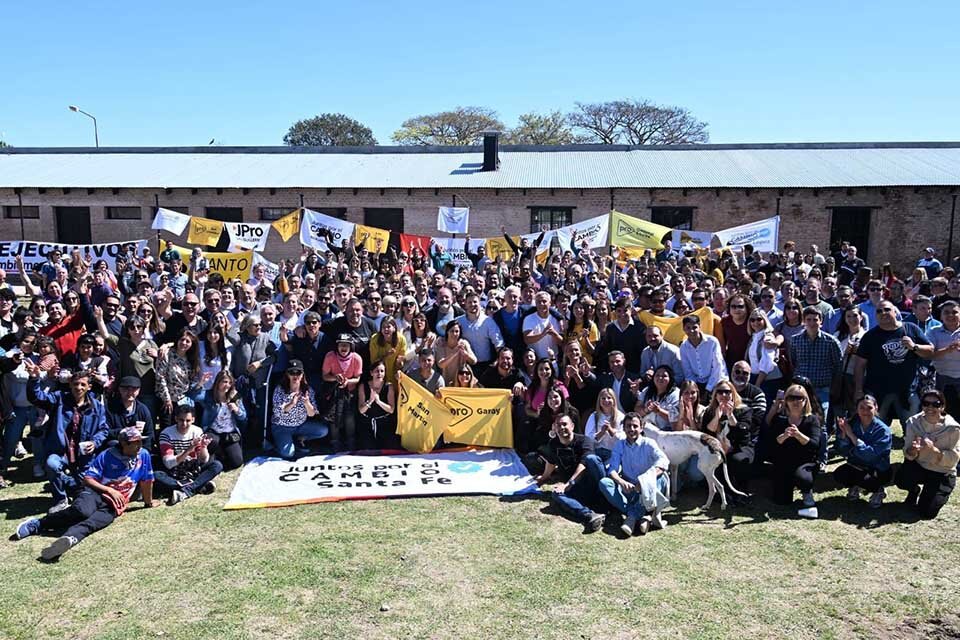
(123, 213)
(275, 213)
(28, 212)
(673, 217)
(553, 217)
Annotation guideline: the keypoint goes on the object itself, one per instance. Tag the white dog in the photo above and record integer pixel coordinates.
(680, 445)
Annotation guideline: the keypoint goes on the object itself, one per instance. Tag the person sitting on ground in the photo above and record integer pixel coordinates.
(931, 451)
(109, 484)
(865, 441)
(125, 410)
(659, 403)
(189, 467)
(295, 413)
(223, 419)
(605, 424)
(795, 436)
(636, 484)
(77, 428)
(570, 458)
(342, 369)
(729, 420)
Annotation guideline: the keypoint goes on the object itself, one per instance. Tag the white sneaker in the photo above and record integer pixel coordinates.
(58, 547)
(628, 526)
(20, 451)
(810, 513)
(876, 500)
(853, 493)
(657, 520)
(176, 497)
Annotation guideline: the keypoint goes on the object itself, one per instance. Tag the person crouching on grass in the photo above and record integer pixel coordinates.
(188, 467)
(109, 483)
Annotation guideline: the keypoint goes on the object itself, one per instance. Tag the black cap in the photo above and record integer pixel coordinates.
(130, 381)
(345, 337)
(295, 365)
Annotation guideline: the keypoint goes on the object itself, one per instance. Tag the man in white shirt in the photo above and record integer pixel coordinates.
(541, 330)
(659, 352)
(701, 357)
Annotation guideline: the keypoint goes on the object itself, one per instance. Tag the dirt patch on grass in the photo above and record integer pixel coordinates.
(942, 628)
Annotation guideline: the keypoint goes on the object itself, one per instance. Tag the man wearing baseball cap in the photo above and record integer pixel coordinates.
(930, 264)
(125, 410)
(109, 483)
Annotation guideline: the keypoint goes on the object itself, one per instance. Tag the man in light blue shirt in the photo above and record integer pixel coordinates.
(480, 331)
(636, 484)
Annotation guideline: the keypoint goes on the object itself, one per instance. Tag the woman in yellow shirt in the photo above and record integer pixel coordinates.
(582, 328)
(388, 345)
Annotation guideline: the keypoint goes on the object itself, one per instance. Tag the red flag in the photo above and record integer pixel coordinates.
(408, 241)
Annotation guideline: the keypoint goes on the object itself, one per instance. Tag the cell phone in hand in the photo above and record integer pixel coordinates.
(780, 394)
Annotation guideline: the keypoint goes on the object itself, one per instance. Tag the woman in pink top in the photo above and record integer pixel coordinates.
(341, 374)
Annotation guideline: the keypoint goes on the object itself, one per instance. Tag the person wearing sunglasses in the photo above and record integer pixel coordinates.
(795, 442)
(931, 451)
(730, 421)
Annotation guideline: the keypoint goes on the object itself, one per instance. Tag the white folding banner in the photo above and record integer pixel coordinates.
(171, 221)
(455, 247)
(245, 236)
(594, 231)
(271, 269)
(683, 237)
(273, 482)
(453, 219)
(35, 253)
(314, 225)
(764, 235)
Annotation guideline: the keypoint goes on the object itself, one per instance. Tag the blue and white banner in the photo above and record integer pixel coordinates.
(314, 227)
(683, 237)
(273, 482)
(763, 235)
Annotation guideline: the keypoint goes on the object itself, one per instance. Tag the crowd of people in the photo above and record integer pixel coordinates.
(154, 376)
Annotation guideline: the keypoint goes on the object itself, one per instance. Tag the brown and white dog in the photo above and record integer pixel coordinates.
(680, 445)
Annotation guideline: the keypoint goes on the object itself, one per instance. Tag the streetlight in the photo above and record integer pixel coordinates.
(96, 135)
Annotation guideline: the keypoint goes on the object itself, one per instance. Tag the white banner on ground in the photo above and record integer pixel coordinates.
(313, 229)
(171, 221)
(245, 236)
(455, 247)
(453, 219)
(764, 235)
(683, 237)
(35, 253)
(594, 231)
(272, 482)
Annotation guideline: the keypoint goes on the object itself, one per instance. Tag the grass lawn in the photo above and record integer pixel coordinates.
(484, 567)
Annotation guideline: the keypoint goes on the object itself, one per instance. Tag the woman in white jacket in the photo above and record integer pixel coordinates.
(762, 354)
(931, 449)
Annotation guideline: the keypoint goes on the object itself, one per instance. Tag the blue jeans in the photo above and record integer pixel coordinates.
(283, 436)
(13, 426)
(208, 472)
(60, 482)
(585, 491)
(628, 505)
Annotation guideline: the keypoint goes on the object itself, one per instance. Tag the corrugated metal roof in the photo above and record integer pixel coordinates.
(579, 167)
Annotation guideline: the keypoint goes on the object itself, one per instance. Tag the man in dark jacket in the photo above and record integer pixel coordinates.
(125, 410)
(77, 429)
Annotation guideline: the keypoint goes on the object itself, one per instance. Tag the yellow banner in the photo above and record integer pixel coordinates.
(499, 247)
(420, 416)
(373, 239)
(481, 417)
(229, 265)
(672, 328)
(288, 226)
(204, 231)
(627, 231)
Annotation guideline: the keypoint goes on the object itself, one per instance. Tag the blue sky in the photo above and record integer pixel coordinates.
(181, 73)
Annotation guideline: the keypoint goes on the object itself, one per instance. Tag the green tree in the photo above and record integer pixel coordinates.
(329, 129)
(637, 122)
(534, 128)
(3, 144)
(462, 126)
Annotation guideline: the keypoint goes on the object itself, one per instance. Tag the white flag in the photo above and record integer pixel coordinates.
(763, 235)
(271, 270)
(453, 219)
(454, 246)
(683, 237)
(314, 226)
(245, 236)
(593, 231)
(171, 221)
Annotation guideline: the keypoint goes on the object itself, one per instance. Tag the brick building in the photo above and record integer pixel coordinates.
(890, 199)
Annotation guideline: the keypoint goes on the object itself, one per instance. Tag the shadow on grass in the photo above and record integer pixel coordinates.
(860, 514)
(19, 508)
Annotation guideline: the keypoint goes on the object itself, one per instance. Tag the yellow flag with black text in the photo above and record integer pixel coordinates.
(627, 231)
(420, 416)
(373, 239)
(228, 265)
(672, 328)
(499, 246)
(480, 417)
(288, 226)
(204, 231)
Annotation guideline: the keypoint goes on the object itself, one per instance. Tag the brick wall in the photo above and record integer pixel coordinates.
(904, 219)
